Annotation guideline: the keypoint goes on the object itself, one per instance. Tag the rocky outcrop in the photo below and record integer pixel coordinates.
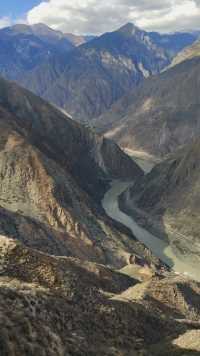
(63, 306)
(175, 295)
(117, 164)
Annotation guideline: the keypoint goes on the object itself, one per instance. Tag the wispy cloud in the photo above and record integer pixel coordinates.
(97, 16)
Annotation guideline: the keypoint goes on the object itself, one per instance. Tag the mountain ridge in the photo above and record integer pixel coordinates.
(159, 116)
(53, 194)
(188, 53)
(85, 80)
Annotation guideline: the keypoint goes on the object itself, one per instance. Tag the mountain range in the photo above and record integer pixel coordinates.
(88, 79)
(162, 114)
(161, 119)
(63, 286)
(74, 281)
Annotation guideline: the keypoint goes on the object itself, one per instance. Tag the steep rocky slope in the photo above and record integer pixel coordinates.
(173, 43)
(161, 115)
(188, 53)
(104, 69)
(35, 54)
(101, 71)
(59, 306)
(94, 75)
(53, 173)
(168, 201)
(24, 48)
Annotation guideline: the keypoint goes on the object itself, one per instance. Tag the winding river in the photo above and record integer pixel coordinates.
(158, 247)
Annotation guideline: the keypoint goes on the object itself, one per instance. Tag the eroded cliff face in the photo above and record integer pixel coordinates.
(168, 200)
(72, 145)
(115, 162)
(53, 173)
(61, 306)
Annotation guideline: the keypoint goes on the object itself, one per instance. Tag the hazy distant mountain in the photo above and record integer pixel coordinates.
(104, 69)
(35, 56)
(163, 114)
(58, 39)
(42, 31)
(188, 53)
(87, 80)
(175, 42)
(26, 49)
(99, 72)
(78, 40)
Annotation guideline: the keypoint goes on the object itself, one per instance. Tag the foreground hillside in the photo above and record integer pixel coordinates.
(53, 174)
(62, 306)
(161, 115)
(168, 198)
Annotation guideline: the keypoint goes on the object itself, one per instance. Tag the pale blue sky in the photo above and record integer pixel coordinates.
(16, 8)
